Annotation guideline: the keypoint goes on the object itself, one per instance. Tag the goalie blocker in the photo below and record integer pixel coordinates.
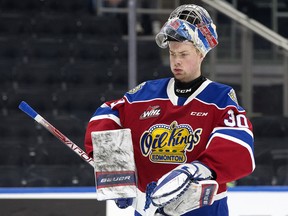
(114, 164)
(185, 188)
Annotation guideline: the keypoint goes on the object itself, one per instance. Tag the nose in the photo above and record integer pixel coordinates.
(177, 61)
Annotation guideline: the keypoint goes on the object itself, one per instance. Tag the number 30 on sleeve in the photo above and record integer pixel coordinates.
(239, 120)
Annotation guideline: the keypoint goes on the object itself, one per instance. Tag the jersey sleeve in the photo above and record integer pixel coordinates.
(230, 149)
(106, 117)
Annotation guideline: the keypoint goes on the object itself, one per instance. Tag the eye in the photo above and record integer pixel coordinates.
(172, 54)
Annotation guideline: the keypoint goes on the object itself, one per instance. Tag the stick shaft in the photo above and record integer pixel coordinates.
(64, 139)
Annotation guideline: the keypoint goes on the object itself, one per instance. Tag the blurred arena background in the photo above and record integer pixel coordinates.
(66, 57)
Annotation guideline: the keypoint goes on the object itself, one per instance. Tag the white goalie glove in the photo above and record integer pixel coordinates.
(185, 188)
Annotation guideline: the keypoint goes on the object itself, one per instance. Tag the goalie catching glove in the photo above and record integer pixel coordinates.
(185, 188)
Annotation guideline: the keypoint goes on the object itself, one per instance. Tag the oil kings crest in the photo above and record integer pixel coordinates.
(164, 143)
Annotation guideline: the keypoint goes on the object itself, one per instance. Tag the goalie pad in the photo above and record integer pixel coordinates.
(114, 164)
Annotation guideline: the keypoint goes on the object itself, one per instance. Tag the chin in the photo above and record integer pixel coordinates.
(179, 79)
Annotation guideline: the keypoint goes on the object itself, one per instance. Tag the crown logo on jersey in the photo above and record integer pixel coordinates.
(169, 143)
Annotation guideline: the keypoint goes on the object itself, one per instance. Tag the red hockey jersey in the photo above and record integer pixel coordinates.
(209, 126)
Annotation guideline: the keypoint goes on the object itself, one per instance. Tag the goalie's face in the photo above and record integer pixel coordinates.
(185, 61)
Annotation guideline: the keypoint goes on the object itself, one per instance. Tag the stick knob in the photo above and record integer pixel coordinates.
(27, 109)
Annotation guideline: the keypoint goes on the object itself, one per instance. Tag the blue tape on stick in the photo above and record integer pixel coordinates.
(27, 109)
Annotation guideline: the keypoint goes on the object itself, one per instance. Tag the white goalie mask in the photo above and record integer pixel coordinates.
(189, 23)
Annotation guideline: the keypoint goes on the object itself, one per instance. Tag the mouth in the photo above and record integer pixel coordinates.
(177, 70)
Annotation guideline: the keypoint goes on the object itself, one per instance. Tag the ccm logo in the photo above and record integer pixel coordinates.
(115, 179)
(199, 113)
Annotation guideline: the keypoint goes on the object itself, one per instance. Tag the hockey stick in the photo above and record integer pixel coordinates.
(38, 118)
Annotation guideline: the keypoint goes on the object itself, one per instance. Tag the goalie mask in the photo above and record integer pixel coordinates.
(189, 23)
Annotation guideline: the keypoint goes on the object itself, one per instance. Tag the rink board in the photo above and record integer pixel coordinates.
(252, 201)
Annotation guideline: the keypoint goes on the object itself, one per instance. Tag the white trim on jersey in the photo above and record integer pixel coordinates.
(221, 195)
(219, 108)
(174, 98)
(145, 101)
(232, 128)
(170, 92)
(107, 116)
(198, 91)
